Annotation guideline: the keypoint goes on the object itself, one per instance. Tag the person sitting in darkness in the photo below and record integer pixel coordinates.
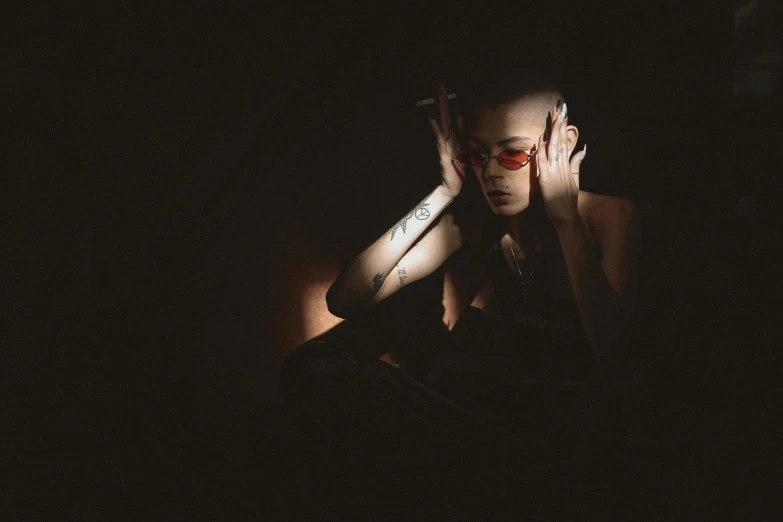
(553, 266)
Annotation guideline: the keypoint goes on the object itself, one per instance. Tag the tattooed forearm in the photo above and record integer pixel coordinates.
(403, 275)
(420, 213)
(378, 281)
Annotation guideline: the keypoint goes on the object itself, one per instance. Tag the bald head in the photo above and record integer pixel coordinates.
(530, 94)
(535, 106)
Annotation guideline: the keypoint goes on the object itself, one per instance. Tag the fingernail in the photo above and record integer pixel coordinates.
(584, 153)
(564, 112)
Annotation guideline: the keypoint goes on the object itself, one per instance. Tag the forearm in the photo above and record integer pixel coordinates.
(600, 307)
(364, 277)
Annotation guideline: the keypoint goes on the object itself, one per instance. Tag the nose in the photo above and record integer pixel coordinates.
(492, 170)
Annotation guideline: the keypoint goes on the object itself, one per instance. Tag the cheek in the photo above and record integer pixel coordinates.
(525, 180)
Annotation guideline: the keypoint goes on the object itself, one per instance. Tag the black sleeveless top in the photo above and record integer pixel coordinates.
(542, 335)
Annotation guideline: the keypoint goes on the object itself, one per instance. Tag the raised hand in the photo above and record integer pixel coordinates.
(557, 176)
(452, 173)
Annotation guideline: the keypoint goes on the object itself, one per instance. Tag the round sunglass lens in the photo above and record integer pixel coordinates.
(469, 158)
(513, 159)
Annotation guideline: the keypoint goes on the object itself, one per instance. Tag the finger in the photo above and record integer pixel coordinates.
(564, 124)
(554, 139)
(563, 149)
(436, 129)
(446, 150)
(542, 159)
(546, 137)
(562, 153)
(563, 121)
(445, 117)
(576, 161)
(576, 165)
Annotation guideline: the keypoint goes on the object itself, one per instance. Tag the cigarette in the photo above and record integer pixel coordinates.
(430, 101)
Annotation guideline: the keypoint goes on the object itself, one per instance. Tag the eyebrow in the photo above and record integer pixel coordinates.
(502, 142)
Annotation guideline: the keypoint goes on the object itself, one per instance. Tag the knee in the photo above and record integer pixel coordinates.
(306, 365)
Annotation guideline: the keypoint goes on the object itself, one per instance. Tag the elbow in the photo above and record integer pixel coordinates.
(336, 311)
(333, 304)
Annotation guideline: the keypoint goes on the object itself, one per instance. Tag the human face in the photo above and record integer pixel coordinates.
(516, 125)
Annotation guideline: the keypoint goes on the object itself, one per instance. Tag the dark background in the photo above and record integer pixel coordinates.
(177, 178)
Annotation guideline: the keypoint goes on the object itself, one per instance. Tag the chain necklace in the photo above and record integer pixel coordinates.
(521, 277)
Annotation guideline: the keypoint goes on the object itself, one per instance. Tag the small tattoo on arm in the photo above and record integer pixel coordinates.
(419, 213)
(378, 281)
(422, 213)
(403, 275)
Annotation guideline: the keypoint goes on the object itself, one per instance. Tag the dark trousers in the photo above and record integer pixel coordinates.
(461, 427)
(461, 368)
(456, 388)
(375, 434)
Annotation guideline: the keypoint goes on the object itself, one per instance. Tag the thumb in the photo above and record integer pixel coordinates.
(459, 168)
(576, 165)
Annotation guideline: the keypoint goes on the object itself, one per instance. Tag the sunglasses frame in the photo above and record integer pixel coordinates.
(488, 157)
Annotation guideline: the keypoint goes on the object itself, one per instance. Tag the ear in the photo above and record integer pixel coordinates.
(572, 136)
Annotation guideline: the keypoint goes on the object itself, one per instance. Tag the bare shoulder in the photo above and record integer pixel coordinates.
(602, 212)
(612, 222)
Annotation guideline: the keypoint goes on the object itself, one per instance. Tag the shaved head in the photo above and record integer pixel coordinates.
(531, 93)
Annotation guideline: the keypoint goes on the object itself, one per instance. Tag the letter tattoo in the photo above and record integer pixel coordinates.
(402, 275)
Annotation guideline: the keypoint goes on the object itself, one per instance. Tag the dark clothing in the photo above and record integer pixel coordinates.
(543, 335)
(531, 371)
(495, 414)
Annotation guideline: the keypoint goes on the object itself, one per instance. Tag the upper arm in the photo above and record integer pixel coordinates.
(616, 229)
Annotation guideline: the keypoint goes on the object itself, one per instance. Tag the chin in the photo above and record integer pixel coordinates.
(509, 209)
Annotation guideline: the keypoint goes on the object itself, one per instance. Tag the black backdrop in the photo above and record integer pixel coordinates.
(167, 168)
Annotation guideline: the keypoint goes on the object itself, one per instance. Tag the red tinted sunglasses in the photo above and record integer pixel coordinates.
(508, 159)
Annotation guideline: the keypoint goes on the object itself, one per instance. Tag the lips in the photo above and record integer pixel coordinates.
(498, 197)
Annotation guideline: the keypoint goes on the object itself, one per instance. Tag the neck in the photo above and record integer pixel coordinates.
(532, 222)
